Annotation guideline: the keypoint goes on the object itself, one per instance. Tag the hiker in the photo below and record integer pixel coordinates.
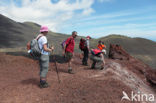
(44, 58)
(84, 46)
(97, 56)
(101, 45)
(69, 50)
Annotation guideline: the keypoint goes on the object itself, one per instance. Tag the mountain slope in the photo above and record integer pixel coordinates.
(15, 35)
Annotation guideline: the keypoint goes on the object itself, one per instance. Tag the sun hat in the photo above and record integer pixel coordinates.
(44, 29)
(88, 37)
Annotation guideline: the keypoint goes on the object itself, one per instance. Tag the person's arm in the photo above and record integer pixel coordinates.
(105, 46)
(47, 49)
(102, 56)
(88, 44)
(64, 47)
(63, 51)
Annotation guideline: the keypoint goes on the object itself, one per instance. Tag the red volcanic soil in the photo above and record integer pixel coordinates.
(19, 80)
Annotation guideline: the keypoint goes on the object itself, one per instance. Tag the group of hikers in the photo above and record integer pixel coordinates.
(40, 48)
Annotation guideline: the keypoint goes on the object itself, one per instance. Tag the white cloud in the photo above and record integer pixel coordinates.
(88, 11)
(46, 12)
(133, 23)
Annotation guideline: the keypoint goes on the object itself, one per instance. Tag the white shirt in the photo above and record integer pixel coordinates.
(87, 43)
(41, 41)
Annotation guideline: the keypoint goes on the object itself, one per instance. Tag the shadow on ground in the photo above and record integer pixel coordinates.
(18, 54)
(29, 81)
(58, 58)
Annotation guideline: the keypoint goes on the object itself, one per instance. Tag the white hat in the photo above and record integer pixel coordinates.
(104, 51)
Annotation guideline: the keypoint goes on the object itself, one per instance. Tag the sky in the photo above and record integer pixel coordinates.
(97, 18)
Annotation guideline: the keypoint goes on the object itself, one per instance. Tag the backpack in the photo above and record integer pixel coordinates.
(82, 44)
(63, 43)
(95, 52)
(34, 49)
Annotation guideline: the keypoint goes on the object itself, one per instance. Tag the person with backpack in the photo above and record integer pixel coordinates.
(69, 50)
(44, 58)
(97, 56)
(84, 46)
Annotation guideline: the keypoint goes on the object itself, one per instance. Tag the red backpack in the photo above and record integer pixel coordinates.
(95, 52)
(82, 44)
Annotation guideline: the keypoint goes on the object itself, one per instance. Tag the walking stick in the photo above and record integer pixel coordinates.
(54, 58)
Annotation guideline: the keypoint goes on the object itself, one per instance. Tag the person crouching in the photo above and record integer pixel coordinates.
(97, 56)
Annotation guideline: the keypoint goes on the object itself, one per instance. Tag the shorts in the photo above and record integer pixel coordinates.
(68, 56)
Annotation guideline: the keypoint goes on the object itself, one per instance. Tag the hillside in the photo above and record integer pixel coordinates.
(19, 80)
(15, 35)
(140, 48)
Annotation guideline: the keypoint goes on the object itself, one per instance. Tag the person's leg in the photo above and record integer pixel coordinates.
(69, 60)
(93, 65)
(99, 65)
(40, 64)
(98, 61)
(92, 57)
(87, 55)
(70, 70)
(83, 60)
(69, 64)
(44, 70)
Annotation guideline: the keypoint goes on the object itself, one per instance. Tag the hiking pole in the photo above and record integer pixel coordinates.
(54, 58)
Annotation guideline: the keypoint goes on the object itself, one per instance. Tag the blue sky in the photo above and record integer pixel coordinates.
(97, 18)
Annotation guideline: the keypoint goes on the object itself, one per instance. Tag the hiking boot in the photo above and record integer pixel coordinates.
(93, 66)
(85, 64)
(101, 68)
(70, 71)
(44, 85)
